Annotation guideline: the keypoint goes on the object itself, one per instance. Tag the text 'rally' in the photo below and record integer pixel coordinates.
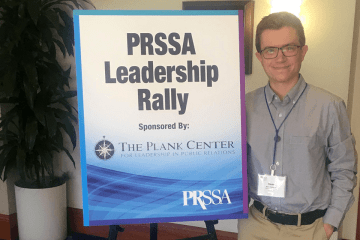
(161, 44)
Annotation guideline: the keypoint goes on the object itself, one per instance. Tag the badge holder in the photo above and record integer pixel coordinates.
(271, 185)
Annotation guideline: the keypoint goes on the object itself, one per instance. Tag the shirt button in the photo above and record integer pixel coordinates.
(276, 98)
(294, 102)
(277, 163)
(280, 115)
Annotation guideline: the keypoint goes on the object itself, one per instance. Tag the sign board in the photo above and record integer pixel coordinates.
(162, 115)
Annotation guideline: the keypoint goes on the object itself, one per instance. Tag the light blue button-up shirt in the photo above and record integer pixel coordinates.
(316, 151)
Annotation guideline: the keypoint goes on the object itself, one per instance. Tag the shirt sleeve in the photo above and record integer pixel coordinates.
(342, 165)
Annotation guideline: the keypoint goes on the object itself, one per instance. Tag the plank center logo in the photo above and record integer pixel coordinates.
(104, 149)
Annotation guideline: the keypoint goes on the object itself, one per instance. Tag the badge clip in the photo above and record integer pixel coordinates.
(272, 169)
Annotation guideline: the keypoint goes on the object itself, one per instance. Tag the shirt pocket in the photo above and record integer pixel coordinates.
(300, 140)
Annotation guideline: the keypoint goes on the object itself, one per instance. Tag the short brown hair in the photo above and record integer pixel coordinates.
(276, 21)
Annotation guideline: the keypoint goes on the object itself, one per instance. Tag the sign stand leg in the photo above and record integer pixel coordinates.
(153, 231)
(113, 231)
(210, 229)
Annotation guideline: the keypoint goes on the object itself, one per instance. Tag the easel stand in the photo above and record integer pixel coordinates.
(114, 229)
(210, 230)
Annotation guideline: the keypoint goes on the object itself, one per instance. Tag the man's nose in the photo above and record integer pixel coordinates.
(281, 56)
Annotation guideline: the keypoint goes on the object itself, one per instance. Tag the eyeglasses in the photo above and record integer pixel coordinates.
(272, 52)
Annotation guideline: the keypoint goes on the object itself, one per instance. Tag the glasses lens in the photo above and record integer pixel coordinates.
(269, 53)
(290, 51)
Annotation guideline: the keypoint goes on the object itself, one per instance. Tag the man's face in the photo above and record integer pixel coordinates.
(281, 69)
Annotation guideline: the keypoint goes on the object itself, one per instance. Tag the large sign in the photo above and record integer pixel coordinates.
(162, 115)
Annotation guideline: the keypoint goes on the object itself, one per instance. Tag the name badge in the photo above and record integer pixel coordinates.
(271, 186)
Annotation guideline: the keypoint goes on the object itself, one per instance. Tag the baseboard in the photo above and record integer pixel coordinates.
(8, 227)
(166, 231)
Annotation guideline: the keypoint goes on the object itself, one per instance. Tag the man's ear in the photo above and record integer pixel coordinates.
(304, 50)
(258, 55)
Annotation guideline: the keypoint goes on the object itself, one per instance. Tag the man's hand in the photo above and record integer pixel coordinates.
(328, 230)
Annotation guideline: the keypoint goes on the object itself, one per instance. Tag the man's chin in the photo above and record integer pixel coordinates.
(282, 79)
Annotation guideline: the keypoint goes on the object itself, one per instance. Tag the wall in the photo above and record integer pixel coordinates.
(327, 63)
(350, 221)
(4, 204)
(330, 44)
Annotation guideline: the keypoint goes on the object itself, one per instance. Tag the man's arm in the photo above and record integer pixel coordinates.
(342, 164)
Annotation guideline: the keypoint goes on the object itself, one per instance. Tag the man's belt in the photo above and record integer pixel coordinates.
(285, 219)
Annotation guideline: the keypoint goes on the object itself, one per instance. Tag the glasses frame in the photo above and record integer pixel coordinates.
(282, 51)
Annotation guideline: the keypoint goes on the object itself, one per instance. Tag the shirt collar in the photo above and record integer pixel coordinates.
(292, 95)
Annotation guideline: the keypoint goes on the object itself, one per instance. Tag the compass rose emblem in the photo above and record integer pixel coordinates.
(104, 149)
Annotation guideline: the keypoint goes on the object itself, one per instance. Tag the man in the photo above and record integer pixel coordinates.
(301, 159)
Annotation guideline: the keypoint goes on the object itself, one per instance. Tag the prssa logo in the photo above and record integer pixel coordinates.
(206, 197)
(104, 149)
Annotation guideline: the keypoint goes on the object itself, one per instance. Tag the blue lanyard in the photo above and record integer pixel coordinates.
(277, 138)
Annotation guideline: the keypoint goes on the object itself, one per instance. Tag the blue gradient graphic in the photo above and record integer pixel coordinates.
(119, 197)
